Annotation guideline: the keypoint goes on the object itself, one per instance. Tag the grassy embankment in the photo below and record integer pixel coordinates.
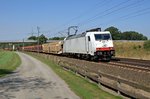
(80, 86)
(131, 50)
(9, 61)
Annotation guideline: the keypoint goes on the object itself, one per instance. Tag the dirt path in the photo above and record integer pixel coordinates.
(34, 80)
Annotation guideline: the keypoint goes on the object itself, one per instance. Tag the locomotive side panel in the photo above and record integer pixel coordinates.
(76, 45)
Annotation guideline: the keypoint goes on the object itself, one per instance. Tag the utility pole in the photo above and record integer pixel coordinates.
(23, 44)
(32, 32)
(38, 29)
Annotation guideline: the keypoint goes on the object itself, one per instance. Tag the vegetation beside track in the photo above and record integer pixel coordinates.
(147, 45)
(82, 87)
(131, 50)
(9, 61)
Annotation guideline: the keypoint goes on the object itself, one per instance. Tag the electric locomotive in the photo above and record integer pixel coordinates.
(92, 44)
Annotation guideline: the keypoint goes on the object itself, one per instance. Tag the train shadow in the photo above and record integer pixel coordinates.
(5, 71)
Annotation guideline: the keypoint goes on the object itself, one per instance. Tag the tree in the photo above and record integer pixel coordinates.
(42, 39)
(32, 38)
(116, 34)
(57, 38)
(132, 35)
(128, 35)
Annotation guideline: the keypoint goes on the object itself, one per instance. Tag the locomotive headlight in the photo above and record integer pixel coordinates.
(112, 52)
(100, 53)
(111, 48)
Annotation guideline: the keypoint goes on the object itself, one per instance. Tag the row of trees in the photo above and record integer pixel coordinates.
(128, 35)
(57, 38)
(43, 39)
(116, 35)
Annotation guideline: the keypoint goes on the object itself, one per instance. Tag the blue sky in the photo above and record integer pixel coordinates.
(19, 17)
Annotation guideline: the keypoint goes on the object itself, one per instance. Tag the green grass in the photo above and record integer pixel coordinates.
(9, 61)
(82, 87)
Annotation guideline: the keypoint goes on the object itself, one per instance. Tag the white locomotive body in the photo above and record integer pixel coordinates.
(90, 44)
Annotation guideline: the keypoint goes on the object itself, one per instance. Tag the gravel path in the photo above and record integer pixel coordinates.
(34, 80)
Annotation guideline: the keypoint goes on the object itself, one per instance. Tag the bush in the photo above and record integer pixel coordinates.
(137, 47)
(147, 45)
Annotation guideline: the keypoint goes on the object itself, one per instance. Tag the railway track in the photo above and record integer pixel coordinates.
(129, 66)
(133, 64)
(143, 63)
(137, 64)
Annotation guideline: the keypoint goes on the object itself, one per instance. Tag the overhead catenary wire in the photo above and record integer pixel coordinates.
(137, 13)
(108, 9)
(128, 16)
(101, 3)
(102, 12)
(113, 7)
(109, 13)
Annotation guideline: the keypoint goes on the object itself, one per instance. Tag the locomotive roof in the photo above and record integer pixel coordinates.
(81, 35)
(76, 36)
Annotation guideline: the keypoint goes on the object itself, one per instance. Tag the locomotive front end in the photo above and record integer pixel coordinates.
(104, 46)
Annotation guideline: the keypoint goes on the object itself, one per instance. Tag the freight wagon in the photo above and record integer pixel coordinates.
(53, 47)
(34, 48)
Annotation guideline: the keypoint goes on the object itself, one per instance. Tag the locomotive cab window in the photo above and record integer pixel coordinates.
(102, 37)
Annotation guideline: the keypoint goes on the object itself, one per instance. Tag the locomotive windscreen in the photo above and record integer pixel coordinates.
(102, 37)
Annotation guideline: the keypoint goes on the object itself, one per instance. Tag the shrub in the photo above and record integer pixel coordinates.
(139, 46)
(147, 45)
(134, 47)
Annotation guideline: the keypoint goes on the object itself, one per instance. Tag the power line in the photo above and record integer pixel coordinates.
(38, 29)
(102, 3)
(109, 11)
(136, 13)
(62, 32)
(87, 11)
(105, 10)
(131, 15)
(100, 13)
(114, 11)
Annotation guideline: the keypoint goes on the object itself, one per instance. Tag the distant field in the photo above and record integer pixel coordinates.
(131, 50)
(9, 61)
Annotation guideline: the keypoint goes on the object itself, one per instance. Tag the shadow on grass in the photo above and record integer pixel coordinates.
(4, 72)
